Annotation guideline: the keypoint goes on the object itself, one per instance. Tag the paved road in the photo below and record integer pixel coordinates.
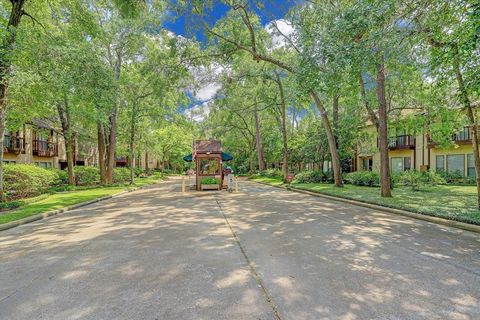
(258, 254)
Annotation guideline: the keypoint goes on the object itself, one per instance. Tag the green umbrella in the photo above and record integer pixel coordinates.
(225, 157)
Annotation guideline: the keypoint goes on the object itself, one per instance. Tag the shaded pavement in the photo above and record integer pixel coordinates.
(257, 254)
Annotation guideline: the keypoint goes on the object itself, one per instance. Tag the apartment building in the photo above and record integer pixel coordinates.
(40, 143)
(33, 144)
(409, 151)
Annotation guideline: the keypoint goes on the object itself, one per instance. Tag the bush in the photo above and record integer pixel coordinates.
(456, 177)
(138, 172)
(24, 180)
(271, 173)
(210, 181)
(87, 175)
(363, 178)
(121, 175)
(417, 179)
(329, 177)
(395, 178)
(310, 177)
(61, 177)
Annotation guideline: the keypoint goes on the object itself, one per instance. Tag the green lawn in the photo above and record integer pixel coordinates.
(64, 199)
(272, 181)
(451, 202)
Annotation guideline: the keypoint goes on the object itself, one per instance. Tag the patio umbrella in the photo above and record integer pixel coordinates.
(225, 157)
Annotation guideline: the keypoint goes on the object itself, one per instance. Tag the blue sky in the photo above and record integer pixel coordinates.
(273, 9)
(182, 25)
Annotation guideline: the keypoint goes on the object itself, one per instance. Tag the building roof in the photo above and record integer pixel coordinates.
(205, 146)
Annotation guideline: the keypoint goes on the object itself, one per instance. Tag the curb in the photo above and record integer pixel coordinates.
(50, 213)
(410, 214)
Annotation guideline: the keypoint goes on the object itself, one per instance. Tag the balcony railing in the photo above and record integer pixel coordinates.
(461, 137)
(401, 142)
(13, 144)
(43, 148)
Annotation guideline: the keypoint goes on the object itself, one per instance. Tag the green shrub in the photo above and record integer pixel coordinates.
(87, 175)
(24, 180)
(329, 177)
(121, 175)
(417, 180)
(210, 181)
(138, 172)
(456, 177)
(271, 173)
(363, 178)
(395, 178)
(309, 177)
(61, 177)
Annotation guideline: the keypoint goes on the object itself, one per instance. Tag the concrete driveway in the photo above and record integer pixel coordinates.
(262, 253)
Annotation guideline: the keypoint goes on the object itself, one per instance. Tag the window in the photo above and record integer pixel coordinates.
(470, 165)
(440, 163)
(44, 164)
(400, 164)
(208, 166)
(397, 165)
(456, 163)
(407, 163)
(367, 163)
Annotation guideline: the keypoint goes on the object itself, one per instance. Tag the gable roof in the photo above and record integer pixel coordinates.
(204, 146)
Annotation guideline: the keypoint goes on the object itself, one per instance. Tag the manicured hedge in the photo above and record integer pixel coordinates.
(310, 177)
(416, 179)
(61, 177)
(87, 175)
(24, 180)
(363, 178)
(121, 175)
(271, 173)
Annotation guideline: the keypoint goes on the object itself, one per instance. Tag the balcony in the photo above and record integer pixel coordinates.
(43, 148)
(461, 138)
(121, 162)
(13, 144)
(401, 142)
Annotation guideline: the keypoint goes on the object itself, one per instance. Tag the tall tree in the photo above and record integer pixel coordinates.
(7, 47)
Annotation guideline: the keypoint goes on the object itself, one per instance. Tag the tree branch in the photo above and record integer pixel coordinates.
(25, 13)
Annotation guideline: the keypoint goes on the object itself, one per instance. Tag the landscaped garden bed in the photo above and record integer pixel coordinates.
(454, 202)
(32, 190)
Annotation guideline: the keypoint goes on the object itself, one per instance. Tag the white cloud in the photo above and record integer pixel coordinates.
(279, 30)
(207, 80)
(199, 112)
(208, 91)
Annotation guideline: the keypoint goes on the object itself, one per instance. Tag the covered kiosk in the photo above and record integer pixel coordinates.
(208, 158)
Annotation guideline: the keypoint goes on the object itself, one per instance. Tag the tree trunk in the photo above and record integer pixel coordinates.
(373, 117)
(332, 145)
(102, 153)
(146, 161)
(258, 139)
(112, 134)
(2, 136)
(132, 141)
(336, 97)
(5, 50)
(111, 148)
(385, 183)
(65, 120)
(471, 117)
(283, 117)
